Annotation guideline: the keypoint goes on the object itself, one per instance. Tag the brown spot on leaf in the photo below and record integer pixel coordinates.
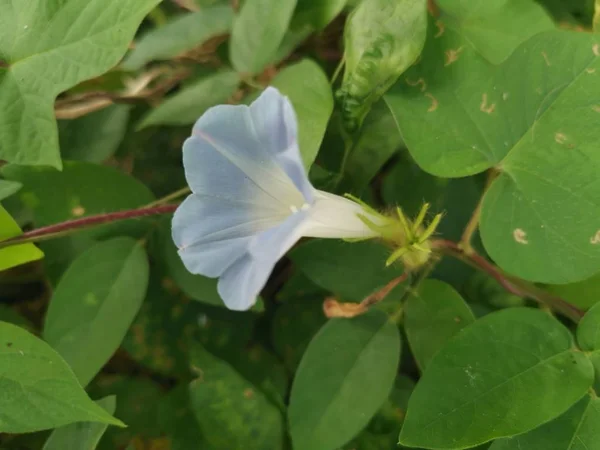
(434, 102)
(452, 56)
(520, 236)
(419, 82)
(484, 107)
(590, 70)
(198, 372)
(595, 239)
(78, 211)
(441, 28)
(545, 55)
(560, 138)
(249, 393)
(596, 108)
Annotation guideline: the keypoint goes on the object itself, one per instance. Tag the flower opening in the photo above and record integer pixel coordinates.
(251, 199)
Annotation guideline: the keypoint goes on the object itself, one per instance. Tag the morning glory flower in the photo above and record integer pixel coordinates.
(251, 199)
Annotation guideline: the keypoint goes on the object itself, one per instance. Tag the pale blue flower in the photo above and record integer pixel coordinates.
(251, 200)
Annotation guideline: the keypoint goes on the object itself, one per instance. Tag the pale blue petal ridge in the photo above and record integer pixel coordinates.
(241, 283)
(248, 190)
(212, 233)
(276, 125)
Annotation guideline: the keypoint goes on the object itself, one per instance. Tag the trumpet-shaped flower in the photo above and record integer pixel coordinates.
(251, 199)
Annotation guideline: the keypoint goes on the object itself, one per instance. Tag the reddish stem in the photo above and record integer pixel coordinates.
(88, 221)
(511, 285)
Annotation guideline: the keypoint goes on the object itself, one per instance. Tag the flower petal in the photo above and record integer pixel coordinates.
(213, 233)
(241, 283)
(226, 156)
(276, 125)
(332, 216)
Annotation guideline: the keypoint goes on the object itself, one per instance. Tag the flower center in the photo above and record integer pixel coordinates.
(294, 209)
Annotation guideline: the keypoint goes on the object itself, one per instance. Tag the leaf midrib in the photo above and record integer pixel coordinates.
(339, 386)
(483, 394)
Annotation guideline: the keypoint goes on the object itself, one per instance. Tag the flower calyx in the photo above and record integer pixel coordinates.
(408, 238)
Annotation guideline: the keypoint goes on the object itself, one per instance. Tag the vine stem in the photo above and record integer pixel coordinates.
(511, 284)
(69, 226)
(473, 224)
(332, 308)
(172, 196)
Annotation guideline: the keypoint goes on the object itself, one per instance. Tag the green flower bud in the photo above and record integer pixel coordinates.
(382, 39)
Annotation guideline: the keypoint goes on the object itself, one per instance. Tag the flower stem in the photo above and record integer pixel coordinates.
(74, 225)
(473, 224)
(511, 284)
(332, 308)
(167, 198)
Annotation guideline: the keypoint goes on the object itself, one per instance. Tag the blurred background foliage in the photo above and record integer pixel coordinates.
(186, 372)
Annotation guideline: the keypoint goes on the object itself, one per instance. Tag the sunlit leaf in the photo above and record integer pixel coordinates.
(505, 374)
(47, 47)
(39, 390)
(84, 435)
(17, 254)
(307, 87)
(181, 34)
(344, 377)
(254, 40)
(94, 304)
(432, 316)
(187, 105)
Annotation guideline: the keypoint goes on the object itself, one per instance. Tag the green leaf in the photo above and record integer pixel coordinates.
(577, 429)
(17, 254)
(94, 137)
(8, 188)
(495, 27)
(47, 47)
(505, 374)
(254, 40)
(546, 152)
(583, 294)
(382, 431)
(436, 104)
(294, 325)
(344, 377)
(94, 304)
(382, 39)
(181, 34)
(588, 338)
(316, 14)
(81, 436)
(231, 412)
(308, 89)
(137, 405)
(176, 417)
(188, 104)
(79, 190)
(588, 330)
(351, 270)
(375, 145)
(39, 391)
(169, 322)
(432, 316)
